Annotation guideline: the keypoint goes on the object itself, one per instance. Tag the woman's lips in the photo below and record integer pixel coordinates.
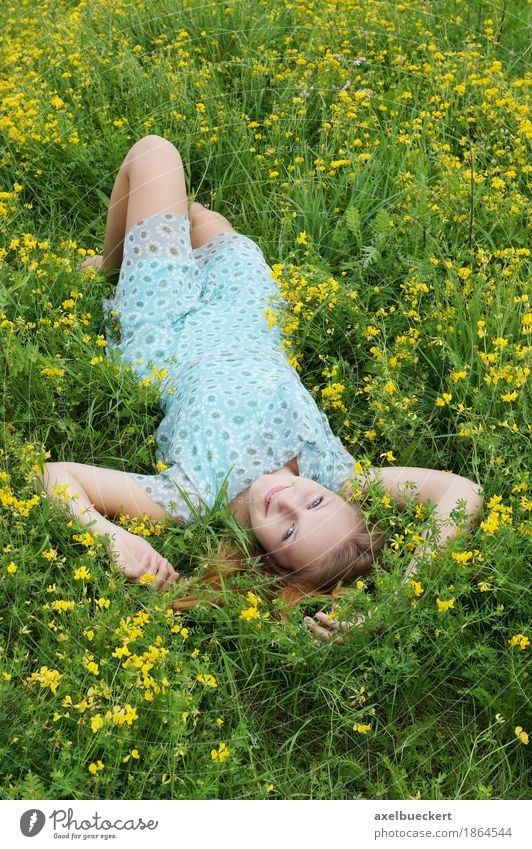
(269, 495)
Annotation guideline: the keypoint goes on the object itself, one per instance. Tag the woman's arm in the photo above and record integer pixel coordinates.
(109, 490)
(90, 491)
(446, 491)
(406, 482)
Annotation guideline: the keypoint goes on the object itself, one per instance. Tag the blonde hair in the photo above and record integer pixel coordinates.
(352, 557)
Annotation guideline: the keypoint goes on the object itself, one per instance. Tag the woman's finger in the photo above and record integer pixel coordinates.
(327, 621)
(133, 573)
(165, 575)
(172, 577)
(171, 570)
(326, 635)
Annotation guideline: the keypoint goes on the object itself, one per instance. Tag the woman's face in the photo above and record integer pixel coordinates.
(297, 520)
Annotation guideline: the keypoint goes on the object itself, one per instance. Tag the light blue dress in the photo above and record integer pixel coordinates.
(233, 406)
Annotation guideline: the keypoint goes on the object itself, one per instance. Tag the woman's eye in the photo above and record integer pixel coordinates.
(290, 531)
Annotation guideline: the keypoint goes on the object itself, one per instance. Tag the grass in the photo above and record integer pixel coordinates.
(377, 153)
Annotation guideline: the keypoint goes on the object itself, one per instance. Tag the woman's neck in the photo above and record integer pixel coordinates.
(239, 504)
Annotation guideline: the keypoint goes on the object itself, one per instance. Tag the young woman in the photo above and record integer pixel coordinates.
(190, 299)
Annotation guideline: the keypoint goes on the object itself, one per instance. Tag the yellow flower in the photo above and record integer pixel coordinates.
(103, 602)
(82, 574)
(362, 729)
(446, 397)
(208, 680)
(220, 754)
(147, 578)
(85, 539)
(249, 613)
(498, 516)
(96, 767)
(121, 651)
(421, 511)
(519, 640)
(62, 605)
(96, 723)
(462, 557)
(444, 605)
(59, 490)
(50, 554)
(12, 568)
(417, 588)
(522, 735)
(122, 716)
(302, 238)
(46, 678)
(52, 372)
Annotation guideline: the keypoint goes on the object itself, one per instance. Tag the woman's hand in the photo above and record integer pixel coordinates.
(328, 629)
(91, 262)
(136, 557)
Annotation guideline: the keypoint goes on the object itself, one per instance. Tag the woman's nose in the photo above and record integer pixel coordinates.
(287, 500)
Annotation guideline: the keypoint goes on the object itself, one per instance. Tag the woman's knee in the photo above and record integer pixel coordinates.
(206, 224)
(148, 145)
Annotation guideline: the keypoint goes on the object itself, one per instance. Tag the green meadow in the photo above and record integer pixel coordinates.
(377, 152)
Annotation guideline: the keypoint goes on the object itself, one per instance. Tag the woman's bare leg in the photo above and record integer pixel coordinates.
(151, 179)
(206, 224)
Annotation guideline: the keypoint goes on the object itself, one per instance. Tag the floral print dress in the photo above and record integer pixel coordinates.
(234, 408)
